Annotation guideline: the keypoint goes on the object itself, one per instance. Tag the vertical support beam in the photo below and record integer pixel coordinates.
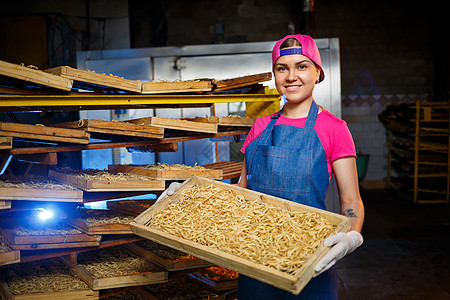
(416, 151)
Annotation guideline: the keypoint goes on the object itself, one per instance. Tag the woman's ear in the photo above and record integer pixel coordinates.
(318, 75)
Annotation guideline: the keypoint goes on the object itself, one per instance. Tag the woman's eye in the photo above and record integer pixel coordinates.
(281, 69)
(301, 67)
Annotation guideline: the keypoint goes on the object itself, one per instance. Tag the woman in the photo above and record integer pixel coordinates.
(292, 155)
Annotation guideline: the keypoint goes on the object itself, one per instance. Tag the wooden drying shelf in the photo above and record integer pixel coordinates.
(108, 145)
(82, 102)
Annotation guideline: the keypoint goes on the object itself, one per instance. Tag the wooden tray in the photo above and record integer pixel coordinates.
(97, 78)
(226, 121)
(108, 185)
(165, 174)
(223, 284)
(115, 128)
(46, 133)
(290, 282)
(7, 294)
(10, 256)
(176, 124)
(232, 83)
(157, 275)
(32, 194)
(47, 241)
(6, 142)
(230, 169)
(201, 85)
(141, 249)
(34, 76)
(131, 207)
(5, 204)
(80, 221)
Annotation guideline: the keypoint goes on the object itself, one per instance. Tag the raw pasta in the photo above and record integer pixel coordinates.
(256, 231)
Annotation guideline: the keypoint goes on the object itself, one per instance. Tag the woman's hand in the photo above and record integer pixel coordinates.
(343, 244)
(173, 186)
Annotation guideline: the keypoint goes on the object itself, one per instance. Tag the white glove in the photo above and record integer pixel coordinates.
(343, 244)
(169, 191)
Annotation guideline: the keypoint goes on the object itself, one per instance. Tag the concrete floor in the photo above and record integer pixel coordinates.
(405, 255)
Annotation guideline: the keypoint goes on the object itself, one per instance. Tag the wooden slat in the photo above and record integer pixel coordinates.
(35, 76)
(48, 241)
(140, 250)
(201, 85)
(80, 222)
(226, 121)
(5, 204)
(46, 133)
(6, 142)
(97, 78)
(290, 282)
(116, 281)
(108, 185)
(115, 128)
(81, 294)
(165, 174)
(176, 124)
(222, 285)
(247, 80)
(33, 194)
(230, 169)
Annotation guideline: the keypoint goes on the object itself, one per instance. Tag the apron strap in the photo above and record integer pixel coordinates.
(312, 115)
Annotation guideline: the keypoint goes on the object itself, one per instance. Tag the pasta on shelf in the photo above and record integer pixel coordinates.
(265, 234)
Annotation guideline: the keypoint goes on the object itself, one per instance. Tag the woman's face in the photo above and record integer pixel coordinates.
(295, 76)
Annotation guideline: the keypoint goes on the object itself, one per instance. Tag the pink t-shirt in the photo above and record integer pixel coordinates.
(333, 133)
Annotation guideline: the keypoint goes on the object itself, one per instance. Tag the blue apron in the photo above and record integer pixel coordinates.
(289, 162)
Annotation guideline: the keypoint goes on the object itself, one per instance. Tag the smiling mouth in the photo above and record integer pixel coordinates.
(292, 87)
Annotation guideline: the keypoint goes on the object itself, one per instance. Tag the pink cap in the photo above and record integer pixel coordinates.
(308, 49)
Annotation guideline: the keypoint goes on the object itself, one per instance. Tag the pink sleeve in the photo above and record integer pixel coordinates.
(258, 127)
(342, 143)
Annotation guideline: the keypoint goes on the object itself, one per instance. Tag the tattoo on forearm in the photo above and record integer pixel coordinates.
(350, 213)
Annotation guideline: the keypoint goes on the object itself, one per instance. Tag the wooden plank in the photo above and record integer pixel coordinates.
(107, 241)
(89, 185)
(218, 282)
(33, 194)
(6, 142)
(153, 275)
(66, 295)
(41, 158)
(290, 282)
(5, 204)
(97, 78)
(94, 222)
(115, 128)
(176, 124)
(46, 133)
(109, 145)
(247, 80)
(35, 76)
(155, 87)
(153, 254)
(9, 257)
(235, 121)
(159, 174)
(54, 238)
(7, 254)
(230, 169)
